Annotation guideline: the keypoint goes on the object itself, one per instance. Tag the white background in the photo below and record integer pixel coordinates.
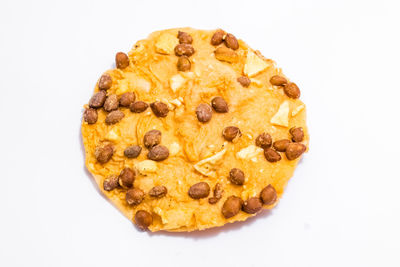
(340, 209)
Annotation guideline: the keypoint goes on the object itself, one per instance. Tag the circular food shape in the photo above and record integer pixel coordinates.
(193, 129)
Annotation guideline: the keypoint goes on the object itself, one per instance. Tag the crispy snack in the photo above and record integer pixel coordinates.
(193, 129)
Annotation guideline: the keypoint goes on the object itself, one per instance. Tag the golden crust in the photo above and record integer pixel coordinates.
(250, 109)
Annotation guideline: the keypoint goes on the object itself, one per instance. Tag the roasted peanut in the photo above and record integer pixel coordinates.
(158, 153)
(252, 205)
(158, 191)
(294, 150)
(121, 60)
(143, 219)
(132, 151)
(184, 38)
(218, 37)
(138, 106)
(281, 145)
(232, 206)
(268, 195)
(183, 63)
(199, 190)
(152, 138)
(127, 99)
(291, 90)
(103, 153)
(184, 50)
(111, 103)
(90, 115)
(114, 117)
(105, 82)
(110, 183)
(236, 176)
(231, 41)
(297, 134)
(127, 178)
(98, 99)
(231, 132)
(264, 140)
(226, 54)
(219, 104)
(134, 196)
(244, 81)
(218, 191)
(271, 155)
(159, 109)
(203, 112)
(278, 80)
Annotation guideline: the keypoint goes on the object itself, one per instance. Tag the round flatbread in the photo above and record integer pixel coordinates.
(193, 129)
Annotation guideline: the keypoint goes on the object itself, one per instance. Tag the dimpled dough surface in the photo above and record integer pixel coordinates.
(189, 141)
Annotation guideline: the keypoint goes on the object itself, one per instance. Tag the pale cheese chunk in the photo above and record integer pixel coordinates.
(254, 64)
(177, 102)
(113, 135)
(166, 43)
(297, 109)
(281, 117)
(206, 166)
(142, 85)
(146, 166)
(123, 86)
(176, 82)
(174, 218)
(256, 82)
(174, 149)
(249, 152)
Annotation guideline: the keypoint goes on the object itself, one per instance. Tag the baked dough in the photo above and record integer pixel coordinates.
(198, 151)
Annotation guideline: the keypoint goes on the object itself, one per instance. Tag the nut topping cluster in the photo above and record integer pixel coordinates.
(184, 50)
(112, 102)
(204, 111)
(116, 106)
(293, 150)
(290, 89)
(234, 204)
